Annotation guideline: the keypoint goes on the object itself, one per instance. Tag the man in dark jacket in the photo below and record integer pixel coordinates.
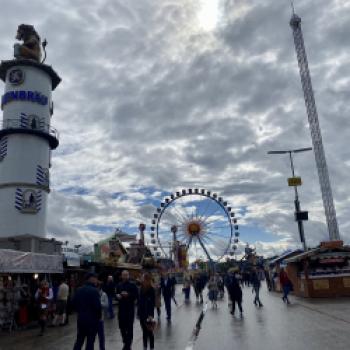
(235, 292)
(88, 306)
(127, 293)
(167, 285)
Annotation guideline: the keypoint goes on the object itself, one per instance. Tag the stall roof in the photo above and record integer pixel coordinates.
(284, 256)
(14, 261)
(320, 252)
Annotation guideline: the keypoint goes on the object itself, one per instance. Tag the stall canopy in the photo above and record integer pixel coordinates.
(322, 254)
(14, 261)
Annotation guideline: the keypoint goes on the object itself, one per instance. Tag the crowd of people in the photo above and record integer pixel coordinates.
(142, 298)
(94, 301)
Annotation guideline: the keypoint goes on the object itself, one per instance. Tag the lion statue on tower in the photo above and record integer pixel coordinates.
(30, 49)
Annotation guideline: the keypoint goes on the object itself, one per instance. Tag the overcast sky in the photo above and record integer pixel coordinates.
(159, 95)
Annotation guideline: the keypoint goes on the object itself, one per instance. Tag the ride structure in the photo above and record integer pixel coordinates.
(315, 129)
(26, 137)
(193, 220)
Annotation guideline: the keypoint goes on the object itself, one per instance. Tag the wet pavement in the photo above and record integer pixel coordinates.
(306, 324)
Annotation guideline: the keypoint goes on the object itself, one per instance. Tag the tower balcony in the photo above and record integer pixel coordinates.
(30, 125)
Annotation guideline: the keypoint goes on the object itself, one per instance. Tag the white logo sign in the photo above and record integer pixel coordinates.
(16, 77)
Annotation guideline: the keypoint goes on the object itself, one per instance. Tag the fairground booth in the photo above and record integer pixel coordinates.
(321, 272)
(20, 273)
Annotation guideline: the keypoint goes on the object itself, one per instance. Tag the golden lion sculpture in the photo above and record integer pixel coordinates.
(30, 49)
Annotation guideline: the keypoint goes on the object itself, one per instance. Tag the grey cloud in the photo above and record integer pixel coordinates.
(148, 100)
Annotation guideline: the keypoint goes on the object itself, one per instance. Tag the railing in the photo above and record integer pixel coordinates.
(35, 125)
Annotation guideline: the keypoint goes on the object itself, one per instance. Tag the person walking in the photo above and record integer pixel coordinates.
(268, 279)
(167, 284)
(195, 283)
(187, 287)
(61, 304)
(234, 291)
(286, 285)
(126, 294)
(87, 304)
(221, 287)
(256, 283)
(109, 289)
(43, 296)
(158, 291)
(145, 311)
(213, 291)
(105, 308)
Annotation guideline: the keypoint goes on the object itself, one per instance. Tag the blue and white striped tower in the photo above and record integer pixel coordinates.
(26, 142)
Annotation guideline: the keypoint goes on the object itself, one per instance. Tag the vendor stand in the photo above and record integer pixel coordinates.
(321, 272)
(19, 275)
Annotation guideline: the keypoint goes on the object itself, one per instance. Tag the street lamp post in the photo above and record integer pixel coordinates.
(300, 216)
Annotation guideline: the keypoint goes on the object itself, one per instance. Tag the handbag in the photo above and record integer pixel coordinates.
(151, 324)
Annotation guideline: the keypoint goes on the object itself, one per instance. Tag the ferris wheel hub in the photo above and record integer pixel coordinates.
(194, 228)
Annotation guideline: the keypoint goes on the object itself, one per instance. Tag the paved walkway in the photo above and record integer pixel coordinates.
(306, 324)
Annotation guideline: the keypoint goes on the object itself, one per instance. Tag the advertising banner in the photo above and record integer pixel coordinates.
(13, 261)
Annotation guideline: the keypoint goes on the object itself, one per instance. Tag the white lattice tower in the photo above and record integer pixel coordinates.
(315, 130)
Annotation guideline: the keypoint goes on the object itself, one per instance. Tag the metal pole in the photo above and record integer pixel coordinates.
(297, 206)
(211, 262)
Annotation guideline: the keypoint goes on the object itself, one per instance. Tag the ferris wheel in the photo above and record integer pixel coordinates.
(198, 220)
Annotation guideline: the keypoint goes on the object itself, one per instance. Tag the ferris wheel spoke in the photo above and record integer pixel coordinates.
(206, 208)
(220, 241)
(214, 234)
(183, 205)
(217, 222)
(204, 248)
(211, 214)
(164, 233)
(181, 216)
(180, 235)
(217, 227)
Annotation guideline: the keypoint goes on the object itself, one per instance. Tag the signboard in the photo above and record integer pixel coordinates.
(294, 181)
(13, 261)
(113, 245)
(16, 76)
(26, 96)
(320, 284)
(346, 282)
(301, 216)
(332, 261)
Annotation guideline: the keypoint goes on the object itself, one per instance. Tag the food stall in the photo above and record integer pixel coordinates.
(274, 267)
(321, 272)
